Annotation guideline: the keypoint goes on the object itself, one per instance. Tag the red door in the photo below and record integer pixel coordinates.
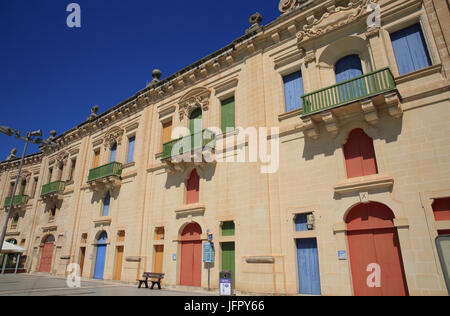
(191, 256)
(47, 255)
(373, 242)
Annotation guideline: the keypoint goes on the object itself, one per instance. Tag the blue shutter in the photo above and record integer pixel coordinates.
(131, 142)
(293, 91)
(308, 266)
(410, 49)
(301, 222)
(106, 203)
(100, 257)
(112, 157)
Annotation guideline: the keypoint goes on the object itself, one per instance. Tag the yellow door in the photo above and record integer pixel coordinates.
(159, 254)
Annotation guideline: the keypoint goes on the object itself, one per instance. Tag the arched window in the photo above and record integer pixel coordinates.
(193, 188)
(12, 241)
(15, 221)
(106, 203)
(359, 154)
(346, 69)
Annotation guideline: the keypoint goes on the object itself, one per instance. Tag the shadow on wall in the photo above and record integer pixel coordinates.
(98, 196)
(205, 172)
(388, 129)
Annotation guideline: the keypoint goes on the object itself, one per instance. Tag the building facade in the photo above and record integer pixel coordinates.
(352, 95)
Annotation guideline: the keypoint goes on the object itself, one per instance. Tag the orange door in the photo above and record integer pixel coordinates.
(119, 260)
(191, 256)
(377, 245)
(46, 258)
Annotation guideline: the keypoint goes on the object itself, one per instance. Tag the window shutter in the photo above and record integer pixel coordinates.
(410, 49)
(360, 155)
(193, 188)
(293, 91)
(228, 115)
(106, 203)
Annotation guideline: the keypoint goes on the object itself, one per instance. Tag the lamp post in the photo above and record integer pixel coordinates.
(28, 139)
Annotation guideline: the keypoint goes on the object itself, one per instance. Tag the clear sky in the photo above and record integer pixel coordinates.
(51, 75)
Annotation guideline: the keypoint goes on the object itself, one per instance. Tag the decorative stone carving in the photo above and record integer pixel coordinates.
(94, 114)
(62, 158)
(196, 98)
(113, 136)
(310, 128)
(12, 156)
(331, 122)
(287, 5)
(333, 18)
(394, 105)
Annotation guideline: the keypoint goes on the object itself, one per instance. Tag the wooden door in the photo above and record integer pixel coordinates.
(100, 257)
(82, 257)
(191, 256)
(159, 255)
(228, 260)
(47, 256)
(373, 242)
(96, 159)
(308, 266)
(118, 265)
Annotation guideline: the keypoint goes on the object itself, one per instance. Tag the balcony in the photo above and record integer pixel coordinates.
(361, 94)
(18, 202)
(105, 177)
(195, 148)
(53, 191)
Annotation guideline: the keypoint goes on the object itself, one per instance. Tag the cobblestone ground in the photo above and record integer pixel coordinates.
(42, 285)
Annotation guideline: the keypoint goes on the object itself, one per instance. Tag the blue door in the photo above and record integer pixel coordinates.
(101, 256)
(308, 266)
(346, 69)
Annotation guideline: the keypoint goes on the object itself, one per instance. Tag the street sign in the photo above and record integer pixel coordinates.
(225, 287)
(208, 252)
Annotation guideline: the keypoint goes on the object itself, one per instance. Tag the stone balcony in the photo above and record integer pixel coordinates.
(194, 148)
(105, 177)
(53, 191)
(364, 94)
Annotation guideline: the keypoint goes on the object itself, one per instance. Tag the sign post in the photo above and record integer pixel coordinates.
(208, 257)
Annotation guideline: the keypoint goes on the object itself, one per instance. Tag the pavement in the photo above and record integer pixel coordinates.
(45, 285)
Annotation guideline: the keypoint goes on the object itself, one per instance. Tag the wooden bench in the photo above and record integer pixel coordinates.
(155, 278)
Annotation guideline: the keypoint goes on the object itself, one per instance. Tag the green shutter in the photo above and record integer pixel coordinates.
(228, 115)
(228, 229)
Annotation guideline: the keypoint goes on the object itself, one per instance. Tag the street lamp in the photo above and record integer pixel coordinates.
(28, 139)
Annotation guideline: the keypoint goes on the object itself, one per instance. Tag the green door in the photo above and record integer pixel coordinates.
(228, 259)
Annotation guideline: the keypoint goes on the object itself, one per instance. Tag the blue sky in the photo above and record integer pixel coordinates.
(51, 75)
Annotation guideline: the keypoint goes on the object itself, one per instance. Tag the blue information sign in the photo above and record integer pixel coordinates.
(208, 252)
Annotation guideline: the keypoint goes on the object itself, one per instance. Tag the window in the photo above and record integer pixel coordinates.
(23, 185)
(410, 49)
(12, 241)
(14, 223)
(106, 203)
(193, 189)
(166, 132)
(443, 248)
(359, 154)
(159, 233)
(50, 175)
(35, 182)
(293, 91)
(348, 68)
(72, 168)
(131, 144)
(441, 209)
(52, 214)
(121, 236)
(228, 115)
(228, 229)
(60, 172)
(96, 161)
(11, 189)
(113, 153)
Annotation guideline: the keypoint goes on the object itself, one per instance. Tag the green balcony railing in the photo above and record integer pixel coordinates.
(350, 91)
(18, 200)
(183, 145)
(109, 170)
(54, 187)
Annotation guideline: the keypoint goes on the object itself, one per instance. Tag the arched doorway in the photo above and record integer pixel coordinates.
(47, 254)
(191, 256)
(100, 257)
(375, 254)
